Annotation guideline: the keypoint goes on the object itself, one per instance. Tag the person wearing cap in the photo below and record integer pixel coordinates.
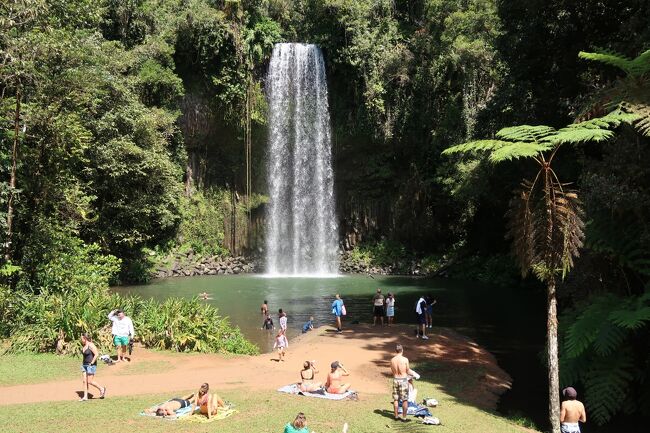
(572, 412)
(399, 367)
(333, 384)
(122, 331)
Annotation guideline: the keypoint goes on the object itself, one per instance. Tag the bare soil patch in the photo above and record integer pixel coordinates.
(364, 350)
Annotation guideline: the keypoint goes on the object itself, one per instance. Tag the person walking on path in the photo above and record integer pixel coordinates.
(337, 310)
(572, 412)
(378, 308)
(400, 369)
(420, 311)
(89, 366)
(122, 331)
(283, 320)
(430, 301)
(281, 343)
(390, 308)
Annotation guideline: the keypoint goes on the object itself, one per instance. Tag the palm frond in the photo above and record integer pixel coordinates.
(520, 228)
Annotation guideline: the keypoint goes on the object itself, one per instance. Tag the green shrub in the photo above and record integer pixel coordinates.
(498, 270)
(382, 253)
(69, 295)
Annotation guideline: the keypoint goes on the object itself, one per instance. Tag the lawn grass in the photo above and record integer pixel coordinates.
(22, 369)
(37, 368)
(258, 412)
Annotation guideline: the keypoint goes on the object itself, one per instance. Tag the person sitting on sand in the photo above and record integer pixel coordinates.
(308, 326)
(298, 425)
(268, 323)
(170, 407)
(206, 402)
(333, 384)
(307, 376)
(281, 343)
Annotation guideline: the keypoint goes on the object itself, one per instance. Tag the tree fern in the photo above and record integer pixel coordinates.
(630, 93)
(596, 351)
(607, 382)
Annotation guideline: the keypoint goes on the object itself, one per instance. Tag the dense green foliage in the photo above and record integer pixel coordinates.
(124, 124)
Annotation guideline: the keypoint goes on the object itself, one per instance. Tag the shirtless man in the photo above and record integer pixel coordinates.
(333, 384)
(399, 366)
(572, 411)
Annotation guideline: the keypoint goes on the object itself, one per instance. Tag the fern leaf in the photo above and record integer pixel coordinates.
(606, 385)
(611, 58)
(584, 331)
(631, 319)
(476, 146)
(525, 133)
(519, 150)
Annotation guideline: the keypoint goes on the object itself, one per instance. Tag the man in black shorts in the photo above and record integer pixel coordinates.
(378, 308)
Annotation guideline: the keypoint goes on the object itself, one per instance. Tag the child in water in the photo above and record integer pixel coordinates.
(265, 308)
(268, 323)
(281, 343)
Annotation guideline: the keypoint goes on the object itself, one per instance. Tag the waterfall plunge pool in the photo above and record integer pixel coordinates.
(509, 322)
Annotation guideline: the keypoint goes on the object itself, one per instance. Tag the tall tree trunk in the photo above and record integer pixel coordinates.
(553, 362)
(12, 178)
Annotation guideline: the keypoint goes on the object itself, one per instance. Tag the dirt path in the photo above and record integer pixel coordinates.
(365, 351)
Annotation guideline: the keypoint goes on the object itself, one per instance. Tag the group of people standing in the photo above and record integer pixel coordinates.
(383, 306)
(123, 332)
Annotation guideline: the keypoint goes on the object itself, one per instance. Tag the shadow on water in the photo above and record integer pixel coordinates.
(510, 323)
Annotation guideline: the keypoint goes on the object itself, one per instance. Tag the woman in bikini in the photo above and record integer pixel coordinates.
(170, 407)
(206, 402)
(307, 375)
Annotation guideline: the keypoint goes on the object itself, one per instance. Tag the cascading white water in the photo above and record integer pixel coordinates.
(302, 231)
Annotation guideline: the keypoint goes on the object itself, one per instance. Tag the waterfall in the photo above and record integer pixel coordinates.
(302, 231)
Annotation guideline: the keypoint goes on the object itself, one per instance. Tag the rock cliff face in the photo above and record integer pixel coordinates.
(191, 264)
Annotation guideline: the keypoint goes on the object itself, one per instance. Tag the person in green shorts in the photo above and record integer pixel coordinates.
(122, 331)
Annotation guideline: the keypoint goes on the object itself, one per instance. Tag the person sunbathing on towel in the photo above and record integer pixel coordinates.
(170, 407)
(333, 384)
(207, 403)
(308, 374)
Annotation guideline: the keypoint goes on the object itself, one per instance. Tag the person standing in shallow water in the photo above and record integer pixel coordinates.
(282, 316)
(337, 310)
(265, 308)
(572, 412)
